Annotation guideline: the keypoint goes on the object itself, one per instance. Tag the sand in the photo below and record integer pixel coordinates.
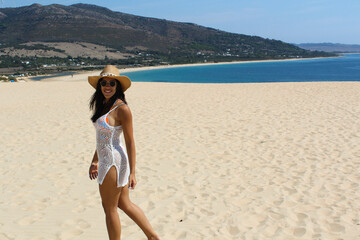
(214, 161)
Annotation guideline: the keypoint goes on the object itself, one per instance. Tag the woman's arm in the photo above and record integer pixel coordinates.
(93, 170)
(125, 117)
(95, 159)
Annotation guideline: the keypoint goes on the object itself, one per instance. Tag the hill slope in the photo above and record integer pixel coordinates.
(142, 40)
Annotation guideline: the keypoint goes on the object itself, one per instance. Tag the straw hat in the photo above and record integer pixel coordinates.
(112, 72)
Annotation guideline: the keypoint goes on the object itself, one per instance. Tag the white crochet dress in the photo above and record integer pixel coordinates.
(110, 150)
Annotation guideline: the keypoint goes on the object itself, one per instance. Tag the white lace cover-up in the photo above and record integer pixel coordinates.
(110, 150)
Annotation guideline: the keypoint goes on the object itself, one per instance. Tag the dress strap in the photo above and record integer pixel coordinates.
(115, 108)
(106, 116)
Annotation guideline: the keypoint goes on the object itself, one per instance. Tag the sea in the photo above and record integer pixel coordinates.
(344, 68)
(52, 76)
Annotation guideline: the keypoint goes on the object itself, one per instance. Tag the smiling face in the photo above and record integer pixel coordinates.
(108, 89)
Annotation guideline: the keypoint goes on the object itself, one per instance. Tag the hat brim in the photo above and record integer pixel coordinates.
(124, 81)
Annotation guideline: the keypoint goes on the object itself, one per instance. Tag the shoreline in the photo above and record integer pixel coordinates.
(218, 63)
(81, 75)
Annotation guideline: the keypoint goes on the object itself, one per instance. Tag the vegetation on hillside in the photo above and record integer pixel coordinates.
(149, 41)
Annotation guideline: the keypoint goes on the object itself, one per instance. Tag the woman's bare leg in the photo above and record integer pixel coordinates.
(110, 194)
(136, 214)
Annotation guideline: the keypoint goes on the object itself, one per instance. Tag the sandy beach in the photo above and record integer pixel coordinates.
(214, 161)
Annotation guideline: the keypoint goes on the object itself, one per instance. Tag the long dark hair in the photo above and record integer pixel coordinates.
(97, 102)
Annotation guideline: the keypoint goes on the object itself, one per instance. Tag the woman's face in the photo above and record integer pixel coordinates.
(109, 89)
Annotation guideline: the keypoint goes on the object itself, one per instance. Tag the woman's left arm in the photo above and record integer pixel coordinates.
(125, 117)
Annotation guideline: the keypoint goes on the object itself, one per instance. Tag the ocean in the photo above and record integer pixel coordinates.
(52, 76)
(346, 68)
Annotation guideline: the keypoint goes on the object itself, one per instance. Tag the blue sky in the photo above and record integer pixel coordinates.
(293, 21)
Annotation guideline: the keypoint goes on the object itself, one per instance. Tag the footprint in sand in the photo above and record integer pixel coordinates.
(181, 164)
(334, 227)
(18, 202)
(30, 219)
(3, 236)
(76, 223)
(206, 212)
(279, 201)
(275, 216)
(79, 209)
(70, 234)
(325, 211)
(181, 236)
(36, 207)
(301, 216)
(234, 230)
(270, 231)
(149, 205)
(299, 232)
(316, 236)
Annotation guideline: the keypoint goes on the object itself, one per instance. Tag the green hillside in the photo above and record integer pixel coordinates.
(149, 41)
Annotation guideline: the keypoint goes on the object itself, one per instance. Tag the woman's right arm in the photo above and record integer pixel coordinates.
(93, 170)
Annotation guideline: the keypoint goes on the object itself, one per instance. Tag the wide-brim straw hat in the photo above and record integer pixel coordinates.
(111, 72)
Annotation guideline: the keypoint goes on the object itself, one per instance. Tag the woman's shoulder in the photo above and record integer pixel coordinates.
(119, 102)
(122, 110)
(121, 106)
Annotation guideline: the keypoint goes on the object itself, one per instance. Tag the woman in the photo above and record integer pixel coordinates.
(112, 167)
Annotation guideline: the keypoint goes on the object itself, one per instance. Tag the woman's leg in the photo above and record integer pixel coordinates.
(110, 194)
(136, 214)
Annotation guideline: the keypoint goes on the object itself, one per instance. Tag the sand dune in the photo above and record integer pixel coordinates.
(214, 161)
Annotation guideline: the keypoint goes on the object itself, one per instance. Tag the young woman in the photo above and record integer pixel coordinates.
(114, 167)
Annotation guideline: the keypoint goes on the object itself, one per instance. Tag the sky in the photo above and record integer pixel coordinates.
(292, 21)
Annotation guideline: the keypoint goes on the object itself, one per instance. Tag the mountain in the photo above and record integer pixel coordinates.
(331, 47)
(36, 31)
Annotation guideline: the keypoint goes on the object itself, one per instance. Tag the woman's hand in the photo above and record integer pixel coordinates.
(132, 181)
(93, 171)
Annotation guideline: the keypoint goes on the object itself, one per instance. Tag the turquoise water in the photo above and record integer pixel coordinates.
(52, 76)
(345, 68)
